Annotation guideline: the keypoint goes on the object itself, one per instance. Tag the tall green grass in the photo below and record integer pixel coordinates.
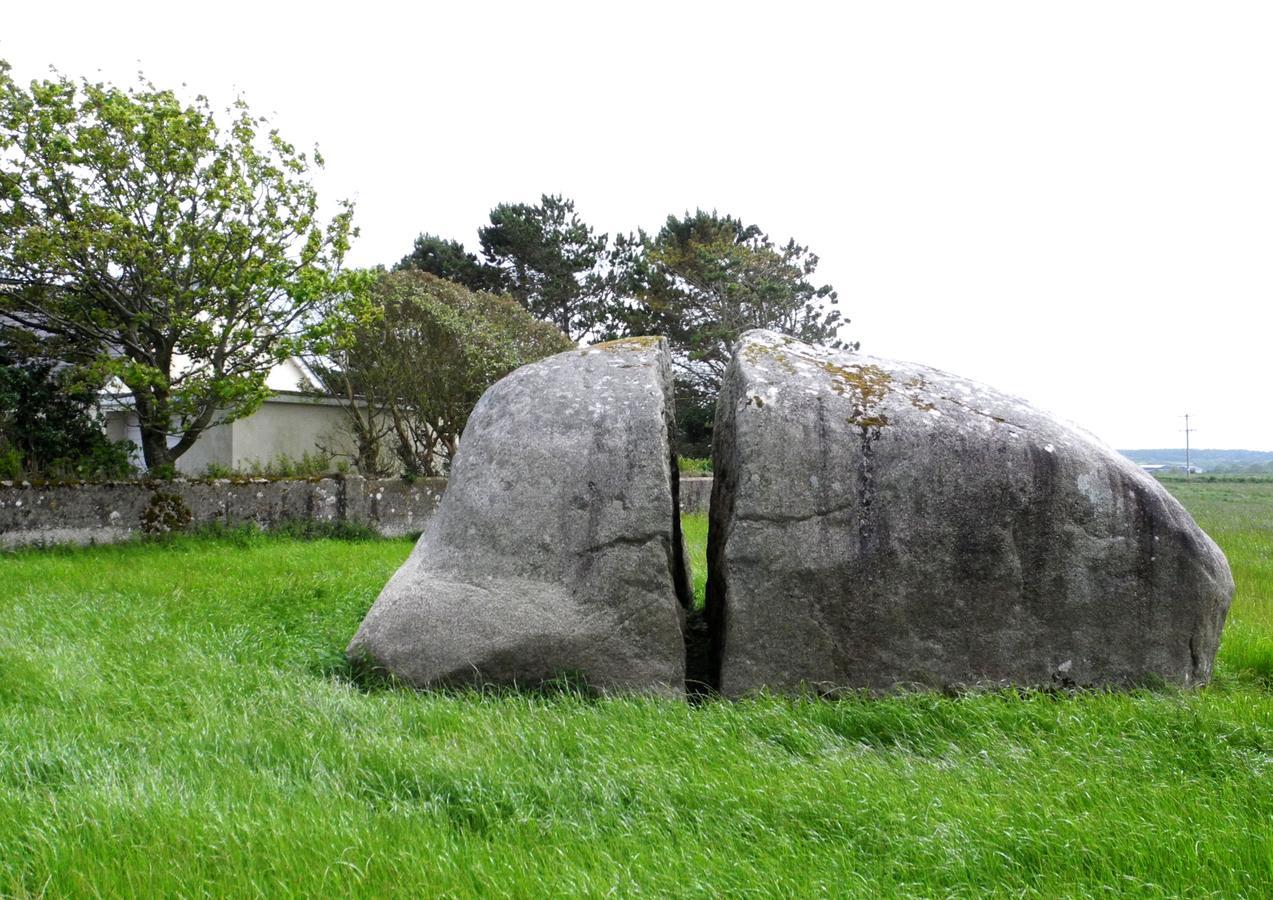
(175, 720)
(694, 528)
(1239, 516)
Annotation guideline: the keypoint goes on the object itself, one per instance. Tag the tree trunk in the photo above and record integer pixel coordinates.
(154, 415)
(154, 448)
(367, 460)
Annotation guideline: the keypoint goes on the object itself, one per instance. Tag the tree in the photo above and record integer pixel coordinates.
(553, 263)
(702, 281)
(412, 354)
(181, 257)
(449, 260)
(344, 349)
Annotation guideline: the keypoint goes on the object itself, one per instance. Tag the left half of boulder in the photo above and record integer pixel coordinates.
(556, 551)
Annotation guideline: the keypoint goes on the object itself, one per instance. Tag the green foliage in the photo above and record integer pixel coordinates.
(178, 719)
(250, 533)
(175, 253)
(165, 514)
(553, 263)
(1255, 470)
(449, 260)
(410, 356)
(49, 429)
(691, 465)
(1253, 477)
(694, 530)
(311, 530)
(1238, 514)
(695, 417)
(11, 463)
(703, 280)
(315, 464)
(308, 465)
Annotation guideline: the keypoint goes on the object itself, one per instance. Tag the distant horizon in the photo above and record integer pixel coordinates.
(1204, 459)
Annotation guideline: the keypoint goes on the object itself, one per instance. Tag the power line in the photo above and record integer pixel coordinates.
(1188, 431)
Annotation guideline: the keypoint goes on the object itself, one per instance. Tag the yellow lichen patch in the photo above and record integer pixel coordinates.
(866, 386)
(870, 383)
(877, 421)
(754, 353)
(644, 342)
(912, 387)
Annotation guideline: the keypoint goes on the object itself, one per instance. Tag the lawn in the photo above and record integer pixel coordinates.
(176, 719)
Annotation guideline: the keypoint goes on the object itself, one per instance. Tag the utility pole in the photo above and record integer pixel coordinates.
(1188, 431)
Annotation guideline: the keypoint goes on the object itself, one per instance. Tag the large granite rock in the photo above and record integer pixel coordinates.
(556, 551)
(877, 524)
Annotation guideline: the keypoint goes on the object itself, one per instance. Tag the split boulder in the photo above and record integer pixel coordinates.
(556, 550)
(878, 524)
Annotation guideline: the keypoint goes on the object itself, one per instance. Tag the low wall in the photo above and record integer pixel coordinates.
(696, 495)
(106, 513)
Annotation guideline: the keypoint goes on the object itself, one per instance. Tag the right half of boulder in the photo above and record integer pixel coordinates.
(878, 524)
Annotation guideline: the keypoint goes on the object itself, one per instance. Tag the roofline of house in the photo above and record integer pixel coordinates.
(114, 403)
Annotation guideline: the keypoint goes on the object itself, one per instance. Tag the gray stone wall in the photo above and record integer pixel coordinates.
(396, 507)
(695, 495)
(107, 513)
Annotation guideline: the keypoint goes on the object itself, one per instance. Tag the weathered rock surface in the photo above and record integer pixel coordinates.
(878, 524)
(556, 551)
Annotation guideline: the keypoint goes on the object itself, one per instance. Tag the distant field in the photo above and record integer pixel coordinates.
(1239, 515)
(1204, 457)
(176, 720)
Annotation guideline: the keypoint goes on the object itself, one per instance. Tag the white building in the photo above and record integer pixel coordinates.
(290, 423)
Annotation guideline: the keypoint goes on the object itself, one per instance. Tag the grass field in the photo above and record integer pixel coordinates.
(174, 719)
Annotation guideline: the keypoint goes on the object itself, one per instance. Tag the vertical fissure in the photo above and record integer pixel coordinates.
(682, 580)
(714, 618)
(698, 645)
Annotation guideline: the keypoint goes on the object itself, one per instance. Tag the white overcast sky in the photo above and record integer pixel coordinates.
(1072, 202)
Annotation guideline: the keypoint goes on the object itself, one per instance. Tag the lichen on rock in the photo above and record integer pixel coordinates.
(878, 524)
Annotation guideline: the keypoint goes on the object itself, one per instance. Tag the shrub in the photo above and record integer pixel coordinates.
(339, 530)
(10, 463)
(310, 465)
(409, 358)
(51, 429)
(691, 465)
(295, 529)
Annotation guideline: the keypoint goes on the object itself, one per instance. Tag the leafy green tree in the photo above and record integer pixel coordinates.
(703, 280)
(449, 260)
(344, 348)
(553, 262)
(410, 356)
(706, 278)
(179, 254)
